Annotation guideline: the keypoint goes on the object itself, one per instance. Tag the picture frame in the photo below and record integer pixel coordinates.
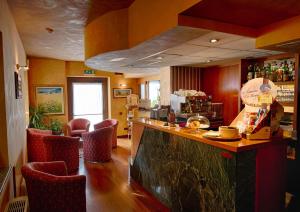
(121, 92)
(50, 99)
(18, 85)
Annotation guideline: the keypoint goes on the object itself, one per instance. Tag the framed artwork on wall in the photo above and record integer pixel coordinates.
(50, 99)
(121, 92)
(18, 85)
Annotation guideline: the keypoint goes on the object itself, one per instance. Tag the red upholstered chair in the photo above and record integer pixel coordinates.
(78, 126)
(109, 123)
(63, 148)
(35, 144)
(50, 189)
(97, 145)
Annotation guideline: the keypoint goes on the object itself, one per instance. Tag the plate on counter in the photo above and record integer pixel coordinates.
(215, 135)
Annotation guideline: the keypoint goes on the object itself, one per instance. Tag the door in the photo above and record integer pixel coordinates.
(88, 99)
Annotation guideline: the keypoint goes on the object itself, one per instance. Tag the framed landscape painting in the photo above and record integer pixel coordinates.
(121, 92)
(50, 99)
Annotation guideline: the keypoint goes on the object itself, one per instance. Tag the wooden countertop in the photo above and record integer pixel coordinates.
(234, 146)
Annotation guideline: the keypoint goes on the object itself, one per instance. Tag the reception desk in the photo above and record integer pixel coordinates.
(187, 172)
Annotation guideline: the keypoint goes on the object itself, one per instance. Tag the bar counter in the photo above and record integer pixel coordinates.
(187, 172)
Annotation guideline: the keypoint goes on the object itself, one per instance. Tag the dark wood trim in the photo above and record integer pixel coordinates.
(102, 80)
(122, 136)
(296, 122)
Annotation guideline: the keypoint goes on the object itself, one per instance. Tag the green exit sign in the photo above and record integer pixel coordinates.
(89, 72)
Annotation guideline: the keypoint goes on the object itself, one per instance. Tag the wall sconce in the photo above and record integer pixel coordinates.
(19, 67)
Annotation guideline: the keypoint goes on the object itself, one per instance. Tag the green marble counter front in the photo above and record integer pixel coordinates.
(189, 175)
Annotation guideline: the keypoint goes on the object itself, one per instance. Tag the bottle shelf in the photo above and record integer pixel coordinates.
(287, 104)
(285, 83)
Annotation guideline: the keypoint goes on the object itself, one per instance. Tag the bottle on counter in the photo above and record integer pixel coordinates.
(171, 117)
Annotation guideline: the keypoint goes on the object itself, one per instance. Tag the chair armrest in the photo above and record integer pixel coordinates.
(57, 168)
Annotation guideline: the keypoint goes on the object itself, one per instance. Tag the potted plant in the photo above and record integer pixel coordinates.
(36, 116)
(56, 127)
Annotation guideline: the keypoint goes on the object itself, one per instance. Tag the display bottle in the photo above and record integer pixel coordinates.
(286, 74)
(250, 73)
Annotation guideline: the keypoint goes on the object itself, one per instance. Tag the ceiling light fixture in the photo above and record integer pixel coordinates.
(117, 59)
(214, 40)
(122, 85)
(208, 61)
(159, 58)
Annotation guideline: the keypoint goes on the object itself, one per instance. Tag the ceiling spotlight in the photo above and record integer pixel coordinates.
(214, 40)
(117, 59)
(159, 58)
(208, 61)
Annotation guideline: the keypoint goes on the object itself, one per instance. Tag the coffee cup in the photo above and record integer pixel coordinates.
(228, 132)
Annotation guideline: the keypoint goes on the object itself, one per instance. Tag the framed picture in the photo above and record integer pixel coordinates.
(50, 99)
(121, 92)
(18, 85)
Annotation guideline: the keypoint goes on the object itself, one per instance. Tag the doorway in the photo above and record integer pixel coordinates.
(88, 99)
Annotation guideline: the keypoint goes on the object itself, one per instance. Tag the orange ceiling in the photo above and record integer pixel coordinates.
(247, 13)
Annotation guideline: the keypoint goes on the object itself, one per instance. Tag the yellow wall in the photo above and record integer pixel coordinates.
(12, 110)
(280, 32)
(55, 72)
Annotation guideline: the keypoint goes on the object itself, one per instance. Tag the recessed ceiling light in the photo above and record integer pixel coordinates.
(208, 61)
(159, 58)
(117, 59)
(214, 40)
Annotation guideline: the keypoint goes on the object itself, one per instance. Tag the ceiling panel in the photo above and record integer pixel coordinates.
(241, 44)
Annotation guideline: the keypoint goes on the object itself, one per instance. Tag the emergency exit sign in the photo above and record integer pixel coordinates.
(89, 72)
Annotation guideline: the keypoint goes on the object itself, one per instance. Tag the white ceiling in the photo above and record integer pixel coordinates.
(197, 51)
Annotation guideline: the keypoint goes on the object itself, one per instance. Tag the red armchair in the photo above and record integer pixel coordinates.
(78, 126)
(63, 148)
(109, 123)
(97, 145)
(35, 144)
(50, 189)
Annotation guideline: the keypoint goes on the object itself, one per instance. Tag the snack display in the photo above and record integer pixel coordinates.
(198, 122)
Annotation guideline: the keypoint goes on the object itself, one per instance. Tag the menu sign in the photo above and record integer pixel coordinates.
(259, 92)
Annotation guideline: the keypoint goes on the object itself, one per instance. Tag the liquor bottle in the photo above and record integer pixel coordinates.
(250, 72)
(256, 71)
(267, 70)
(286, 71)
(280, 73)
(292, 70)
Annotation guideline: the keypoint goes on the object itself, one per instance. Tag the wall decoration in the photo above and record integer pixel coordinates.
(18, 85)
(50, 99)
(121, 92)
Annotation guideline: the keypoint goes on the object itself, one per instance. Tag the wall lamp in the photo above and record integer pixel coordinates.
(19, 67)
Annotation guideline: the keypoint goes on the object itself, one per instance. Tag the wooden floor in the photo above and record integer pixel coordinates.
(108, 187)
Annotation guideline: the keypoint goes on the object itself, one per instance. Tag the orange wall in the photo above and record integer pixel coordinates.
(55, 72)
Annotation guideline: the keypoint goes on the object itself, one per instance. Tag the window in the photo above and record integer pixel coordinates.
(88, 102)
(142, 91)
(154, 92)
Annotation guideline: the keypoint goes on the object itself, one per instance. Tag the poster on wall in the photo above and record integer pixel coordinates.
(18, 85)
(50, 99)
(121, 92)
